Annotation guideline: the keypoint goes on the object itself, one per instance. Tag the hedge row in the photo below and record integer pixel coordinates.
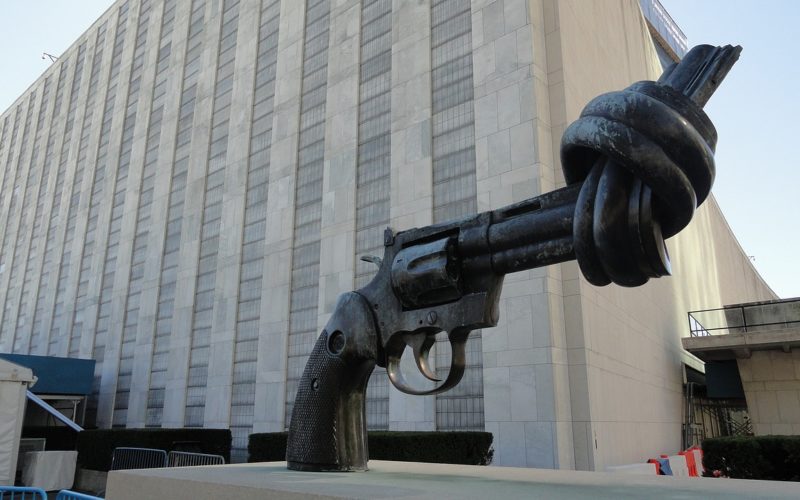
(754, 457)
(95, 447)
(470, 448)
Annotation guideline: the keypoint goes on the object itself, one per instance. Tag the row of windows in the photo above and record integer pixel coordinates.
(10, 244)
(177, 197)
(374, 170)
(11, 310)
(212, 215)
(55, 213)
(96, 195)
(112, 246)
(145, 202)
(308, 197)
(250, 279)
(454, 185)
(130, 321)
(35, 244)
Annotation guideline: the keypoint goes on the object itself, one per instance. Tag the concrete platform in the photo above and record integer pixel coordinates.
(409, 480)
(741, 345)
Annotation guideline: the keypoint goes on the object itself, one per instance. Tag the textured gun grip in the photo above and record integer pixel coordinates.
(328, 428)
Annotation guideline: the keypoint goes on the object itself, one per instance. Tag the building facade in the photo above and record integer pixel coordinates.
(188, 189)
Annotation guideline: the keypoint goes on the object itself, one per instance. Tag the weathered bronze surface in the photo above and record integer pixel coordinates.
(637, 164)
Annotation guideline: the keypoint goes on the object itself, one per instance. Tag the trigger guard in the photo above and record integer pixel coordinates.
(457, 367)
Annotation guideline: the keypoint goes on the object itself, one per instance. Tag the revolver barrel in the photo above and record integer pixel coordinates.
(534, 233)
(637, 164)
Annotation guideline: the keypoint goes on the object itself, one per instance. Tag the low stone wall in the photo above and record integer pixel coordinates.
(93, 481)
(771, 382)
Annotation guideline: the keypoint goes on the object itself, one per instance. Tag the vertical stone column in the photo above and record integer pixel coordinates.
(95, 279)
(148, 301)
(110, 368)
(524, 373)
(571, 373)
(25, 219)
(61, 207)
(270, 400)
(181, 337)
(56, 130)
(6, 153)
(120, 293)
(76, 255)
(337, 243)
(15, 128)
(411, 177)
(13, 204)
(226, 292)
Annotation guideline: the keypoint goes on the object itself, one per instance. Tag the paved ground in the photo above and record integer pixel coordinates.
(414, 481)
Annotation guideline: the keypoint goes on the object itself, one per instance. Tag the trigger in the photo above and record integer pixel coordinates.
(453, 376)
(422, 348)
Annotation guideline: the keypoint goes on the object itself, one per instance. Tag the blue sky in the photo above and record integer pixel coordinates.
(754, 111)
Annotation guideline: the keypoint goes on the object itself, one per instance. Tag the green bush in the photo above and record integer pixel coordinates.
(754, 457)
(57, 438)
(267, 447)
(470, 448)
(95, 447)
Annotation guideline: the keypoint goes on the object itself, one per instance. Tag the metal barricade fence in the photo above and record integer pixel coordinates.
(138, 458)
(74, 495)
(22, 493)
(187, 459)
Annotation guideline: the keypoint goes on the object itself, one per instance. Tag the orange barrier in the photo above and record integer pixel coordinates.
(690, 463)
(658, 465)
(698, 459)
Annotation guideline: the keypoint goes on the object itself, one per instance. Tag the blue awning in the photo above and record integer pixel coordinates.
(67, 376)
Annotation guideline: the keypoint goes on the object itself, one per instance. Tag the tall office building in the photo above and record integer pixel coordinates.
(188, 189)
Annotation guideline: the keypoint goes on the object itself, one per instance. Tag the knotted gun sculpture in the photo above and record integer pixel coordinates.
(637, 163)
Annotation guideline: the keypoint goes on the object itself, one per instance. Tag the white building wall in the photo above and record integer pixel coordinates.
(624, 344)
(573, 376)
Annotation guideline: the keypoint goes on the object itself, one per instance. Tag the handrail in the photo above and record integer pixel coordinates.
(744, 318)
(138, 458)
(22, 493)
(188, 459)
(74, 495)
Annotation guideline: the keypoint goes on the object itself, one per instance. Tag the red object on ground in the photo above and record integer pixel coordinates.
(698, 455)
(658, 465)
(690, 463)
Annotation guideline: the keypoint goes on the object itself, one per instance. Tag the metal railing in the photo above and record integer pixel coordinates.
(22, 493)
(187, 459)
(138, 458)
(745, 318)
(74, 495)
(663, 23)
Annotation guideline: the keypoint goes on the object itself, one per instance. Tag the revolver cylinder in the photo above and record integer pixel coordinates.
(426, 274)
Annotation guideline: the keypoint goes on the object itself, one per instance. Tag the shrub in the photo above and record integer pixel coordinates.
(95, 447)
(754, 457)
(267, 447)
(470, 448)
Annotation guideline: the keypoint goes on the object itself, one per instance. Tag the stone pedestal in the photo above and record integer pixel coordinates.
(409, 480)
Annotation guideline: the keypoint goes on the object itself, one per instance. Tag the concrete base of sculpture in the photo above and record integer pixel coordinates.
(417, 480)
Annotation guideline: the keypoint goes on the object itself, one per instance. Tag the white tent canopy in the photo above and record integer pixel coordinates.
(14, 383)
